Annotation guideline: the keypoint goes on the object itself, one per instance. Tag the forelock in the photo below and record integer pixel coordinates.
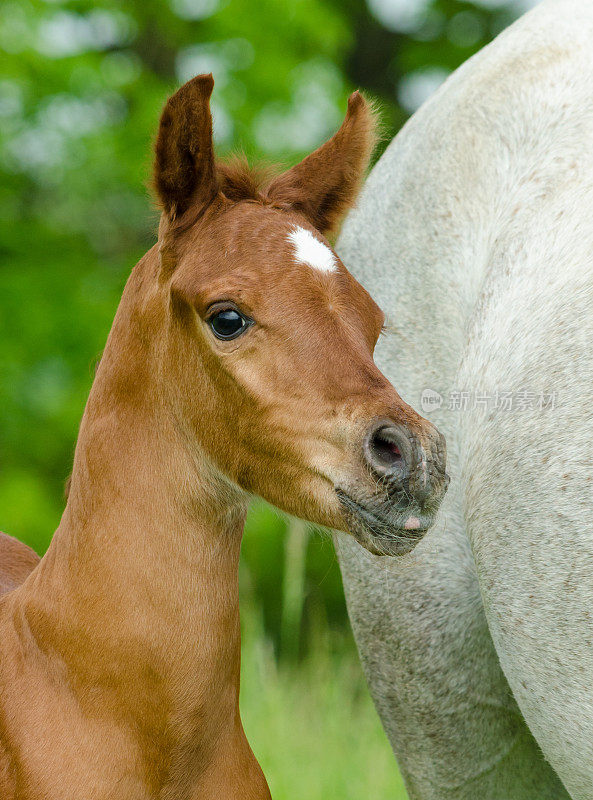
(239, 180)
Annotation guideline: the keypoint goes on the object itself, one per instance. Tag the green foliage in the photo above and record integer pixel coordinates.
(313, 729)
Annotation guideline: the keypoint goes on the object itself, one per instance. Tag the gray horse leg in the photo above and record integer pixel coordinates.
(434, 675)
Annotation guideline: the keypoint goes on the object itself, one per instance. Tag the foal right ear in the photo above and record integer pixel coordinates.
(325, 184)
(184, 172)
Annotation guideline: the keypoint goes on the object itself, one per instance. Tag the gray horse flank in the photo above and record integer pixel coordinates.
(475, 235)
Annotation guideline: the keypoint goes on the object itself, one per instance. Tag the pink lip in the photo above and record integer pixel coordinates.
(412, 524)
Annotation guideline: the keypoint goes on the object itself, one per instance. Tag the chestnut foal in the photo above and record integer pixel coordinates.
(240, 362)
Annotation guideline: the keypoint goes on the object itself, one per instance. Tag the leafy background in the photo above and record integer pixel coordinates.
(81, 87)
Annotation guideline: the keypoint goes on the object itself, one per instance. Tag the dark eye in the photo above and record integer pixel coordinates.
(228, 323)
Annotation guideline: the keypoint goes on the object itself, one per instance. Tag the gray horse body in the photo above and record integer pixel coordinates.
(475, 235)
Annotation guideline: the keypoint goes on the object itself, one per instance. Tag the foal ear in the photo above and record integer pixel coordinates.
(184, 170)
(325, 184)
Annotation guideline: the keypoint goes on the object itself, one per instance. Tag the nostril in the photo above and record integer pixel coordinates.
(384, 450)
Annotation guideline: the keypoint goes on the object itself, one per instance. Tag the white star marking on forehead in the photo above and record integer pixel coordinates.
(309, 250)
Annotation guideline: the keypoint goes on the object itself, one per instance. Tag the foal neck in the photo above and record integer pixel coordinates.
(136, 599)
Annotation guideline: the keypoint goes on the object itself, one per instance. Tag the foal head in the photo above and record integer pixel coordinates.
(270, 339)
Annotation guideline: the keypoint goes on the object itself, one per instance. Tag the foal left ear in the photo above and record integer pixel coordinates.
(325, 184)
(184, 171)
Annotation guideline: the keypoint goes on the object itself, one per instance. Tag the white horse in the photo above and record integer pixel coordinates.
(475, 234)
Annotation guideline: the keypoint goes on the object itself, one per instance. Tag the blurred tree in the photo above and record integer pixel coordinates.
(81, 88)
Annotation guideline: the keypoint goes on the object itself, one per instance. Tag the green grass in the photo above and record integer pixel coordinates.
(313, 726)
